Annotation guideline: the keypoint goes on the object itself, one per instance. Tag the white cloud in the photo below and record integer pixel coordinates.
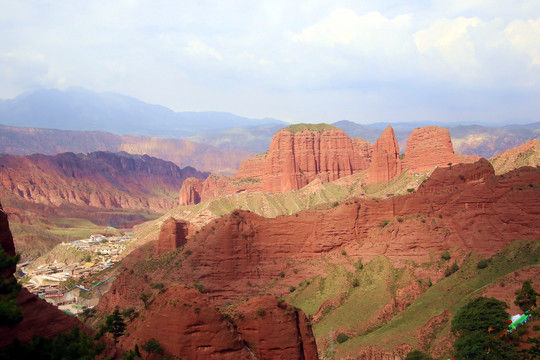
(525, 36)
(196, 47)
(443, 33)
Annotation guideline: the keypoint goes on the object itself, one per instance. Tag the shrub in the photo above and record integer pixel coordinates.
(292, 288)
(157, 286)
(384, 223)
(482, 264)
(343, 252)
(418, 355)
(197, 285)
(261, 311)
(451, 269)
(445, 255)
(341, 338)
(282, 274)
(356, 282)
(400, 219)
(335, 204)
(410, 190)
(359, 264)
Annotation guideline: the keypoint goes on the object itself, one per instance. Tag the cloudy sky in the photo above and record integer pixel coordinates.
(310, 61)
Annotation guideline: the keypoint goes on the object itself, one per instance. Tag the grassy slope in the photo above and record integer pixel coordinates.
(450, 293)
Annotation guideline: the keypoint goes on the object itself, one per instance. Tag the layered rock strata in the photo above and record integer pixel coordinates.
(235, 255)
(301, 153)
(99, 180)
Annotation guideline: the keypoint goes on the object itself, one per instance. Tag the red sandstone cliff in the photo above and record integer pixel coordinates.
(385, 162)
(235, 255)
(173, 234)
(187, 325)
(278, 331)
(190, 193)
(301, 153)
(430, 147)
(100, 180)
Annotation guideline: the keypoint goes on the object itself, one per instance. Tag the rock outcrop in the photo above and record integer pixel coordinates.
(187, 326)
(429, 147)
(173, 234)
(365, 148)
(301, 153)
(190, 193)
(527, 154)
(275, 330)
(385, 162)
(99, 180)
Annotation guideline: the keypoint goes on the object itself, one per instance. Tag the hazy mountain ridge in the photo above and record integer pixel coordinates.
(26, 141)
(85, 110)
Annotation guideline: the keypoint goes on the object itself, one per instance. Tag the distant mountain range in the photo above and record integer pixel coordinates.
(78, 109)
(85, 110)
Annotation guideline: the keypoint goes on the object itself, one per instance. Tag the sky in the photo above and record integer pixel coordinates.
(297, 61)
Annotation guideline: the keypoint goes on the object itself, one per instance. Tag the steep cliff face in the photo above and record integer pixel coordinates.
(186, 325)
(385, 162)
(173, 234)
(301, 153)
(100, 180)
(190, 193)
(430, 147)
(278, 331)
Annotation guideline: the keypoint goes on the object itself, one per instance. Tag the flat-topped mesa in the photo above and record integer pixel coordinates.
(301, 153)
(429, 147)
(385, 162)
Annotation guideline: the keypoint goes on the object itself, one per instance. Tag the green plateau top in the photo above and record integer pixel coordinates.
(311, 127)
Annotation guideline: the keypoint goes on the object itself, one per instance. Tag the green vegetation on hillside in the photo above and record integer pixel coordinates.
(322, 127)
(450, 293)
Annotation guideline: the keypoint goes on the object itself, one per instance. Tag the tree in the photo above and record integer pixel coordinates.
(10, 313)
(152, 346)
(129, 313)
(526, 297)
(478, 326)
(145, 298)
(87, 314)
(118, 326)
(418, 355)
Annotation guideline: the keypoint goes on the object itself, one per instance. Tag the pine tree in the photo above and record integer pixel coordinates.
(118, 326)
(526, 297)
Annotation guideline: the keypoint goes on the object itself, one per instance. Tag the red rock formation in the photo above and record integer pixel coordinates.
(385, 162)
(190, 193)
(365, 148)
(276, 331)
(301, 153)
(173, 234)
(236, 254)
(430, 147)
(186, 326)
(101, 180)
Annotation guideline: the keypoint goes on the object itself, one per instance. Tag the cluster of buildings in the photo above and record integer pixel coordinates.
(48, 281)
